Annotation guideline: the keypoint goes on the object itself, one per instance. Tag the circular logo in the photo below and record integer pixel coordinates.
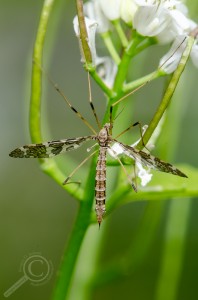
(37, 268)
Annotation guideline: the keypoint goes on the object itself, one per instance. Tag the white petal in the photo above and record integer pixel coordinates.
(180, 21)
(93, 11)
(151, 20)
(111, 8)
(115, 150)
(169, 62)
(127, 11)
(143, 174)
(106, 69)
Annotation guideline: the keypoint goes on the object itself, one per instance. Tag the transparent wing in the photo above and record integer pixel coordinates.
(150, 160)
(49, 149)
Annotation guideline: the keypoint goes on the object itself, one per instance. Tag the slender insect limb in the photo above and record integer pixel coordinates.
(141, 133)
(91, 102)
(66, 100)
(76, 169)
(131, 126)
(125, 171)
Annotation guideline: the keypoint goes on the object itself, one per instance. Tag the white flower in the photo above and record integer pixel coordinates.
(91, 26)
(106, 69)
(163, 19)
(105, 66)
(143, 174)
(93, 11)
(115, 150)
(128, 9)
(111, 8)
(151, 20)
(169, 62)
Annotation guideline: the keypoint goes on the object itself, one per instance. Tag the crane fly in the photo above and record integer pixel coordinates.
(104, 140)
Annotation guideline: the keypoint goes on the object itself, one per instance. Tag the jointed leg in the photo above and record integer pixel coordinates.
(66, 100)
(76, 169)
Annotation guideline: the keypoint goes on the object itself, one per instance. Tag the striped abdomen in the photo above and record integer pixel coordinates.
(100, 186)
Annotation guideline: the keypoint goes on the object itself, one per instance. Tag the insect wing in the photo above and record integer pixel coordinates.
(150, 160)
(49, 149)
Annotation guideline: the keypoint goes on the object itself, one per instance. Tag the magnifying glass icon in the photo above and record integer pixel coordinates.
(30, 266)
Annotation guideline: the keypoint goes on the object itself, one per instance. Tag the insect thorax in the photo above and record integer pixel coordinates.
(104, 136)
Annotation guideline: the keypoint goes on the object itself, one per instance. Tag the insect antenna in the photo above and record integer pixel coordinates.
(66, 100)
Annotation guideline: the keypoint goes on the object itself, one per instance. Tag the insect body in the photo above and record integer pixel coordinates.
(104, 139)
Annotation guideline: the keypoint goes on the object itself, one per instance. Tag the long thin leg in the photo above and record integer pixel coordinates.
(66, 100)
(76, 169)
(131, 126)
(91, 102)
(125, 171)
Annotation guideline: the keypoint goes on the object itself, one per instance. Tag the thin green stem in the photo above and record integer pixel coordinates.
(110, 46)
(120, 33)
(100, 82)
(168, 94)
(128, 87)
(36, 88)
(48, 166)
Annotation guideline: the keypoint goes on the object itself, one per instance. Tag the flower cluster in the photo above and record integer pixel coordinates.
(128, 27)
(163, 21)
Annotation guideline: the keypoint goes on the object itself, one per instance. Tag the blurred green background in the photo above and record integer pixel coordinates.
(36, 214)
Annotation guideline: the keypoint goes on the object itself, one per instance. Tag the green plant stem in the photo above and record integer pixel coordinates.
(168, 94)
(124, 64)
(110, 46)
(67, 267)
(128, 87)
(48, 166)
(36, 88)
(99, 81)
(120, 33)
